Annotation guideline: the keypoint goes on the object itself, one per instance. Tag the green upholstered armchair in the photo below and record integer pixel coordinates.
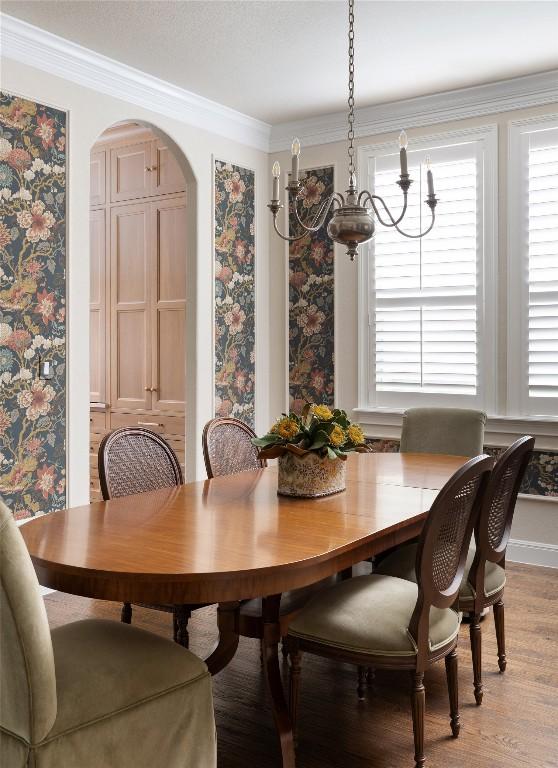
(455, 431)
(92, 693)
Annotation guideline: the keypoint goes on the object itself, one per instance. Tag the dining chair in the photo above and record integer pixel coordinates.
(484, 578)
(454, 431)
(379, 621)
(135, 460)
(92, 693)
(227, 449)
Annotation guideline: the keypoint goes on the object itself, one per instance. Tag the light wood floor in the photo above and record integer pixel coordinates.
(516, 726)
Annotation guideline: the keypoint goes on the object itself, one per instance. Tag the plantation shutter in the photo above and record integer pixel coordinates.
(426, 292)
(542, 265)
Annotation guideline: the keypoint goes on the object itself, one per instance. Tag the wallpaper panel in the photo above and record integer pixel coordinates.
(311, 302)
(32, 306)
(541, 477)
(235, 330)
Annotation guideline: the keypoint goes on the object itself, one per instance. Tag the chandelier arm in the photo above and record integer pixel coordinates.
(365, 195)
(420, 234)
(285, 237)
(319, 218)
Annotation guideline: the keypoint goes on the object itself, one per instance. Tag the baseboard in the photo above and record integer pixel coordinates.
(532, 553)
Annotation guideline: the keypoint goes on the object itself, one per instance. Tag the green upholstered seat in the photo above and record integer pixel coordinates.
(370, 614)
(401, 564)
(92, 693)
(455, 431)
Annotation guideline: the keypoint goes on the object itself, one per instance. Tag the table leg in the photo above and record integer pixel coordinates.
(227, 622)
(270, 641)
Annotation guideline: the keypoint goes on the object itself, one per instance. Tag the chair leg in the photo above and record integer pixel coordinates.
(294, 681)
(453, 691)
(182, 617)
(500, 633)
(476, 653)
(362, 673)
(417, 709)
(284, 648)
(126, 613)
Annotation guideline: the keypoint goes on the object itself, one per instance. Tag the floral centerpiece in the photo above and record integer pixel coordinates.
(312, 450)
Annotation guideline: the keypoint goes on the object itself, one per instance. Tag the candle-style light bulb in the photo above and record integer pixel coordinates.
(295, 149)
(276, 172)
(403, 144)
(429, 177)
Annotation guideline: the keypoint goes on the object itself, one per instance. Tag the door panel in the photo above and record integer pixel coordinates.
(169, 305)
(130, 175)
(170, 374)
(168, 176)
(97, 178)
(97, 242)
(130, 318)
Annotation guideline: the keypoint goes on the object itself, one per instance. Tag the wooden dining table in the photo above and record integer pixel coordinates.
(233, 538)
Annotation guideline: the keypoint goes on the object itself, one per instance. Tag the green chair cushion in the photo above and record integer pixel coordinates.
(401, 564)
(103, 667)
(371, 614)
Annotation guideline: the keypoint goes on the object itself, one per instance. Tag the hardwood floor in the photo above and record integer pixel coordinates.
(516, 725)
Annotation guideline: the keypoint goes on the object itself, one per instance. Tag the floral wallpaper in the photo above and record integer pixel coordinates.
(311, 302)
(32, 306)
(234, 292)
(541, 477)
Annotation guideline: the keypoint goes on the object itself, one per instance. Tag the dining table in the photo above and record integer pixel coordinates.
(233, 538)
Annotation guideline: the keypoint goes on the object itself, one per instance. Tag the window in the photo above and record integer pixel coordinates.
(533, 239)
(430, 337)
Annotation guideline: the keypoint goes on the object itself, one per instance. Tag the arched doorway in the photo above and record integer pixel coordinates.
(139, 232)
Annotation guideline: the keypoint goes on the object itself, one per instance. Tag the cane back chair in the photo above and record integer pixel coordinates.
(484, 579)
(135, 460)
(380, 621)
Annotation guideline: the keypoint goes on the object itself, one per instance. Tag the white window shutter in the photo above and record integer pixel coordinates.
(542, 266)
(426, 291)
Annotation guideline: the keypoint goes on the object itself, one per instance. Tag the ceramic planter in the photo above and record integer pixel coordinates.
(309, 476)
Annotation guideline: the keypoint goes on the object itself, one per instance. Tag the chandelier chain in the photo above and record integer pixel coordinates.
(351, 99)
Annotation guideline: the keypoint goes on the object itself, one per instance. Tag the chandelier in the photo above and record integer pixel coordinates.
(352, 220)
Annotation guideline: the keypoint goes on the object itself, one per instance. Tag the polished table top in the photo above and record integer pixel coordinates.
(233, 537)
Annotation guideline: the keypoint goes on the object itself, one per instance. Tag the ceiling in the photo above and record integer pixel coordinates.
(280, 60)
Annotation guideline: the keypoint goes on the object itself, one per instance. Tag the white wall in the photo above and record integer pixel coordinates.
(89, 114)
(536, 521)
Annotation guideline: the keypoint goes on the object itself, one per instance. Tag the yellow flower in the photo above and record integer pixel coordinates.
(286, 428)
(356, 435)
(337, 436)
(322, 412)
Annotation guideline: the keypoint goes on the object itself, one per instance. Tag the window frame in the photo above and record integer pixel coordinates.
(487, 298)
(519, 403)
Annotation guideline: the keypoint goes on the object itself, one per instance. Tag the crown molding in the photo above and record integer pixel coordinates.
(475, 101)
(27, 44)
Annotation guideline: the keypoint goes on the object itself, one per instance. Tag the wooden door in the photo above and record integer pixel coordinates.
(167, 176)
(168, 313)
(130, 296)
(130, 175)
(97, 307)
(97, 178)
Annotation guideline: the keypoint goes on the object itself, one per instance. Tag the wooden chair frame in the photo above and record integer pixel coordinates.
(429, 594)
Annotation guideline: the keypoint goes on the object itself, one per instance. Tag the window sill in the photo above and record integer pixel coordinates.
(500, 430)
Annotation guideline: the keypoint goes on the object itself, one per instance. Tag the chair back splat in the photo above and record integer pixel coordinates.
(227, 447)
(444, 543)
(135, 460)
